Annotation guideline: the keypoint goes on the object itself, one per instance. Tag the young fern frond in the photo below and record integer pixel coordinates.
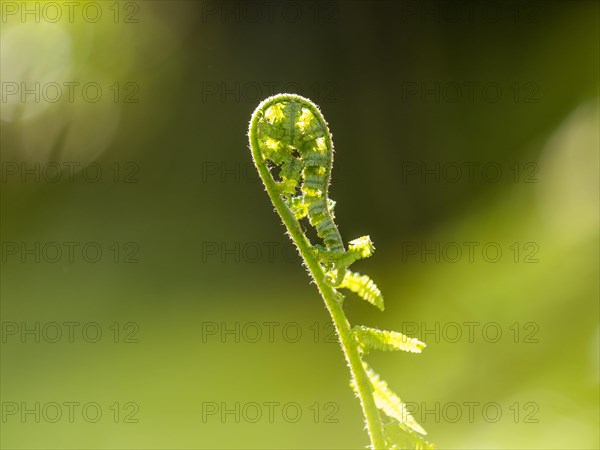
(398, 437)
(288, 132)
(364, 287)
(374, 339)
(390, 403)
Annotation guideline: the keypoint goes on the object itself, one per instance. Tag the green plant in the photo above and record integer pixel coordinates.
(293, 152)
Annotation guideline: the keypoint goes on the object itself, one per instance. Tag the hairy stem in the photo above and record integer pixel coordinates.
(341, 324)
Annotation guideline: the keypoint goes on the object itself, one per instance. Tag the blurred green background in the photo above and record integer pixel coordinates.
(457, 126)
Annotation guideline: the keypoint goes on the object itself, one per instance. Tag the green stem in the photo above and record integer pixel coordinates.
(341, 324)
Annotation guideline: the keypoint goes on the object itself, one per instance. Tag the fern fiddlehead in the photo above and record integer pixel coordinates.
(292, 149)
